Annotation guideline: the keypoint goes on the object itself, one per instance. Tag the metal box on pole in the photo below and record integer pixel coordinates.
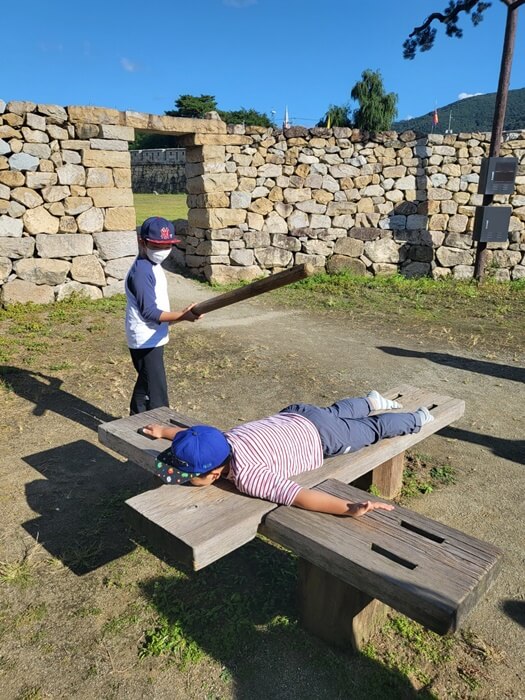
(497, 175)
(491, 224)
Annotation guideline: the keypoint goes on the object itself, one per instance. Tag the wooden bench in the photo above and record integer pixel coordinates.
(202, 525)
(199, 526)
(349, 568)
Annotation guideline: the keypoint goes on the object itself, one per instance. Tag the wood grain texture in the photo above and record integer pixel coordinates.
(334, 611)
(280, 279)
(425, 569)
(387, 478)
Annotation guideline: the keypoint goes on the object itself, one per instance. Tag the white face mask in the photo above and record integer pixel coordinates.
(157, 256)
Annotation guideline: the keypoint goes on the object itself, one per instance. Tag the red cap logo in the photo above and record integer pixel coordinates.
(165, 233)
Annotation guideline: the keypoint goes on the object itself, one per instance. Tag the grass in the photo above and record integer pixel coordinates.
(38, 328)
(169, 206)
(19, 572)
(212, 612)
(488, 315)
(423, 295)
(241, 610)
(421, 476)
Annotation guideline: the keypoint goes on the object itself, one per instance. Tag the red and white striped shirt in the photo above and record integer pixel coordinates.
(267, 452)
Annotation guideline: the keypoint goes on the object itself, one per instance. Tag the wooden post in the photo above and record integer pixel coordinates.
(499, 117)
(334, 611)
(387, 478)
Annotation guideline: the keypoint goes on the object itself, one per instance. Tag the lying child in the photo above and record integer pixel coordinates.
(260, 457)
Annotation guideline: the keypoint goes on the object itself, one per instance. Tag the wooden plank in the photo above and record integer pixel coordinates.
(428, 571)
(121, 435)
(197, 525)
(280, 279)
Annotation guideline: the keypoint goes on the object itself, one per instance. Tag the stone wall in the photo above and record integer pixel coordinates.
(160, 170)
(259, 200)
(67, 220)
(265, 200)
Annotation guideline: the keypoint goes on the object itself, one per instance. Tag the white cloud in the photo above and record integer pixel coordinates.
(128, 65)
(239, 3)
(464, 95)
(50, 47)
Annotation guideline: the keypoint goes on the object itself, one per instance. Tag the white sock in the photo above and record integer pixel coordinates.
(380, 403)
(425, 415)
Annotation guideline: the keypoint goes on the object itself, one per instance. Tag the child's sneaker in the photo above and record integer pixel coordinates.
(380, 403)
(424, 415)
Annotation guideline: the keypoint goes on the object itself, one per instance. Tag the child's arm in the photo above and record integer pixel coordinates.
(155, 430)
(326, 503)
(141, 283)
(176, 316)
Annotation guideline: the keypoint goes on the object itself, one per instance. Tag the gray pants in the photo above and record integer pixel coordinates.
(347, 426)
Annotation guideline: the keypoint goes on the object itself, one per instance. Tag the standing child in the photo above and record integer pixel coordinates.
(148, 314)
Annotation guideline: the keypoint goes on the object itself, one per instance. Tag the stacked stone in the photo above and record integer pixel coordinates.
(453, 172)
(67, 222)
(261, 200)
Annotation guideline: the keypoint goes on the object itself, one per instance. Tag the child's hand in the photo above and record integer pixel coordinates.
(358, 509)
(155, 431)
(187, 314)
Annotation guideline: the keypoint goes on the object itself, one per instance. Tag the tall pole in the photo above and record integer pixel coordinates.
(499, 115)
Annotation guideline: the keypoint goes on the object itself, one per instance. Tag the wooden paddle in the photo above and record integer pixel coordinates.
(294, 274)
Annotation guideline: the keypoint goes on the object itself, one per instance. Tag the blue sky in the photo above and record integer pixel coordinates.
(262, 54)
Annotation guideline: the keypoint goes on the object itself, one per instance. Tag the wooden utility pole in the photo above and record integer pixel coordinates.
(499, 114)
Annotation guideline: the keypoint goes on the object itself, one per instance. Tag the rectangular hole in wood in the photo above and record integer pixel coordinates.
(432, 405)
(178, 423)
(393, 557)
(423, 533)
(140, 432)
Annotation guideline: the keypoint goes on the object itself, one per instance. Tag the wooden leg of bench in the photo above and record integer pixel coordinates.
(336, 612)
(387, 477)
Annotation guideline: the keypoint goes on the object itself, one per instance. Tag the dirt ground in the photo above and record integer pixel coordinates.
(77, 594)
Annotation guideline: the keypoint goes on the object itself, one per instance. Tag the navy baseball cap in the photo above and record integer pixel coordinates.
(159, 231)
(193, 452)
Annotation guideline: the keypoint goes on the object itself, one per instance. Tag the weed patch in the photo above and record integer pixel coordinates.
(422, 475)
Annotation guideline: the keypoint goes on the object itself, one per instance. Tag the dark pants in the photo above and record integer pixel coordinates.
(151, 387)
(346, 425)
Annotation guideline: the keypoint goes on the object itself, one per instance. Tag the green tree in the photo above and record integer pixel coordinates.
(249, 117)
(193, 107)
(377, 108)
(336, 115)
(145, 140)
(423, 37)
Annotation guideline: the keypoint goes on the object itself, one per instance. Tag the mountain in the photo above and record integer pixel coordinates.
(471, 114)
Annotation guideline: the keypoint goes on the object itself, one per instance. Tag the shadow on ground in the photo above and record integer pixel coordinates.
(515, 609)
(241, 612)
(492, 369)
(513, 450)
(46, 394)
(81, 504)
